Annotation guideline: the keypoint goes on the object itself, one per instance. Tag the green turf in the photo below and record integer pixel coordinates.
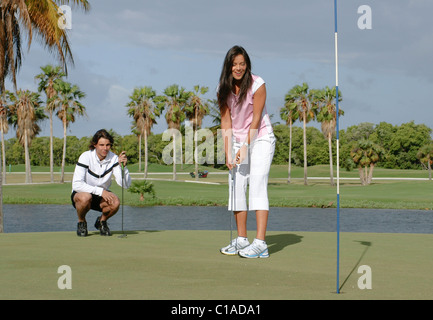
(188, 265)
(382, 195)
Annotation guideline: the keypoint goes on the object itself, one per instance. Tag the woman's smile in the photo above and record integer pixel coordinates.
(239, 67)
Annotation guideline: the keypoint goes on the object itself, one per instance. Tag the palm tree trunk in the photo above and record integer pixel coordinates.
(139, 152)
(62, 178)
(290, 153)
(174, 155)
(1, 206)
(1, 198)
(361, 175)
(145, 154)
(51, 148)
(305, 149)
(181, 155)
(195, 147)
(370, 173)
(429, 168)
(27, 159)
(331, 169)
(3, 158)
(365, 175)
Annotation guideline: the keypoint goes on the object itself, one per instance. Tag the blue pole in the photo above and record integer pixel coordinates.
(338, 147)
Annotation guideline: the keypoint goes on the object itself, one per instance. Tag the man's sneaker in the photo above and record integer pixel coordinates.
(98, 223)
(102, 227)
(82, 229)
(105, 231)
(258, 249)
(235, 245)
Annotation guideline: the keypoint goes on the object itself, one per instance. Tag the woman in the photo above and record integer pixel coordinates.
(249, 145)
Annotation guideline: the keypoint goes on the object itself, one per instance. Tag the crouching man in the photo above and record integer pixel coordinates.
(92, 180)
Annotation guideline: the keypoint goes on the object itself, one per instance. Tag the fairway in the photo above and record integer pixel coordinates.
(187, 265)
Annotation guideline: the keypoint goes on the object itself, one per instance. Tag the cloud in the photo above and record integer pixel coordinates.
(120, 45)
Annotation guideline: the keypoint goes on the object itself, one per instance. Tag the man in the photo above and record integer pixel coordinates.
(92, 180)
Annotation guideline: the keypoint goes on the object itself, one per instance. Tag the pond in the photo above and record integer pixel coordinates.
(49, 218)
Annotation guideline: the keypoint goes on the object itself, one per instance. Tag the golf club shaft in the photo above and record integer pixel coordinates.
(123, 177)
(233, 196)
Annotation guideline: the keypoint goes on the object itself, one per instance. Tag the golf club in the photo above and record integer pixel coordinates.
(233, 184)
(123, 235)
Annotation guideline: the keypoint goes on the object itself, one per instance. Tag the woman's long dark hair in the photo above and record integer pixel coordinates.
(226, 83)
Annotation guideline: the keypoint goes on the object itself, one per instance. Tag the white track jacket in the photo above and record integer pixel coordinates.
(92, 175)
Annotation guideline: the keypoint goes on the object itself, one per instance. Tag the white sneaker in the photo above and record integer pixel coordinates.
(235, 245)
(258, 249)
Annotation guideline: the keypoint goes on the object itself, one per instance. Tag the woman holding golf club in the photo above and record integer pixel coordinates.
(249, 145)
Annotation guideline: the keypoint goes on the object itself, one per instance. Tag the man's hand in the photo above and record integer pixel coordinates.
(108, 196)
(122, 158)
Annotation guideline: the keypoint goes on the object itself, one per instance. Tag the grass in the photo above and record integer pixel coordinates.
(163, 265)
(277, 171)
(166, 265)
(381, 194)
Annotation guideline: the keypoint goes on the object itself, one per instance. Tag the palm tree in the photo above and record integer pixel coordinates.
(425, 155)
(214, 113)
(302, 97)
(366, 154)
(40, 17)
(175, 99)
(26, 113)
(144, 111)
(290, 114)
(13, 13)
(327, 116)
(67, 102)
(195, 112)
(47, 78)
(4, 128)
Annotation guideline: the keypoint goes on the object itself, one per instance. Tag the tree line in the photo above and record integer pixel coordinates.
(364, 146)
(404, 145)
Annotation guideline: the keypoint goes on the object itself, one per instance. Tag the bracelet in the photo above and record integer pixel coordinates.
(245, 144)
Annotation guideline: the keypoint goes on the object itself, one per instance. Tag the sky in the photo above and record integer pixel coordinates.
(385, 72)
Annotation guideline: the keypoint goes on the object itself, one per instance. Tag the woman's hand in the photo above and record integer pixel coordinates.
(229, 161)
(241, 154)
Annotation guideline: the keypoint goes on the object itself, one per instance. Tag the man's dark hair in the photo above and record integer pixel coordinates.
(98, 135)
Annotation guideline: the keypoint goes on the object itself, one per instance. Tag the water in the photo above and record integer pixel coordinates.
(48, 218)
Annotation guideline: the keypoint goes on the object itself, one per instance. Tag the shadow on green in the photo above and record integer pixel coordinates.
(367, 245)
(278, 242)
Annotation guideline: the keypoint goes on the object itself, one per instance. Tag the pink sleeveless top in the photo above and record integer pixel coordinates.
(242, 114)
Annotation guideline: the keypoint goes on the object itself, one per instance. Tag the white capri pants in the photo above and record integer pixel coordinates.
(253, 171)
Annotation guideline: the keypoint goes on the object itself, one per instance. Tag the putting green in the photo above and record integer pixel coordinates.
(187, 265)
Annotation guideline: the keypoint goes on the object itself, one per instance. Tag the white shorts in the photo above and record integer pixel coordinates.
(253, 171)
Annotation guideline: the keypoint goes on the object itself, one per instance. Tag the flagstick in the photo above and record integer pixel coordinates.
(338, 147)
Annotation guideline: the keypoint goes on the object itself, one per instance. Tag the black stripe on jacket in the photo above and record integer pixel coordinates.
(94, 174)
